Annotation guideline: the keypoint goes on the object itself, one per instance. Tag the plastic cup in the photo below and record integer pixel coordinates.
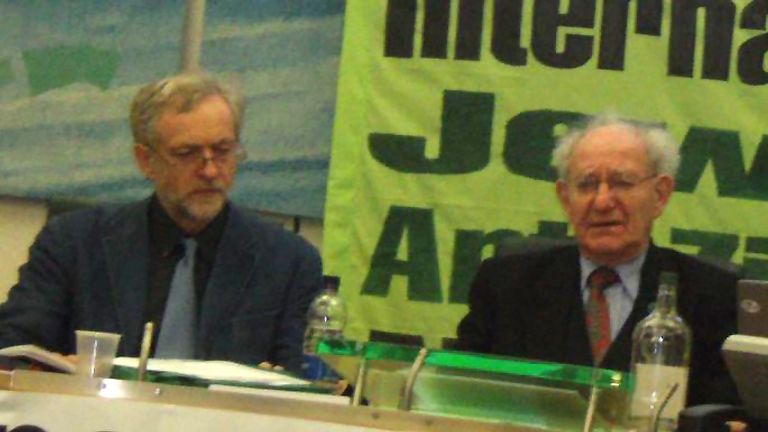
(95, 353)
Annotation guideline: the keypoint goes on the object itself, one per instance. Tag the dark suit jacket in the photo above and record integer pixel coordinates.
(88, 270)
(530, 305)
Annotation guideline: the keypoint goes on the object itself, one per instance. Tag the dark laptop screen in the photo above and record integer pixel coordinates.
(753, 307)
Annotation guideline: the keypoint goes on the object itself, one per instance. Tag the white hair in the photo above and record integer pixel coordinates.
(663, 151)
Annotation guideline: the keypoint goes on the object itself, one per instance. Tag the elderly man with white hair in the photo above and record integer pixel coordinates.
(615, 179)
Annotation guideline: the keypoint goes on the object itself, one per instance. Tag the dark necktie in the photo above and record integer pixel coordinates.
(179, 324)
(597, 313)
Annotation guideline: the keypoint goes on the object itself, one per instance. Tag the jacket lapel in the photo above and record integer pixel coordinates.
(233, 267)
(126, 251)
(558, 332)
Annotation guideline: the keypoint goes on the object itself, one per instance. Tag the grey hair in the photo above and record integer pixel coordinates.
(663, 151)
(180, 93)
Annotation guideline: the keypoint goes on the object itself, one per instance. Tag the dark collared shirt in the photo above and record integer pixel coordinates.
(165, 251)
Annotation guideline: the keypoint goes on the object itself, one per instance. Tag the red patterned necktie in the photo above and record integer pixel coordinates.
(598, 314)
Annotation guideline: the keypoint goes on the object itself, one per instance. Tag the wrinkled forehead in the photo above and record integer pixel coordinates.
(614, 148)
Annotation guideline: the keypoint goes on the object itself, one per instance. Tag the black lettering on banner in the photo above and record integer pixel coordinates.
(437, 15)
(465, 139)
(400, 28)
(718, 38)
(415, 226)
(712, 244)
(649, 15)
(752, 52)
(547, 20)
(756, 268)
(469, 32)
(506, 42)
(530, 140)
(613, 38)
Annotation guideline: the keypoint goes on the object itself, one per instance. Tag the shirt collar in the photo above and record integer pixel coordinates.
(166, 235)
(629, 272)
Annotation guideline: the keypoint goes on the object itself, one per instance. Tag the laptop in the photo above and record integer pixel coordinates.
(746, 353)
(753, 307)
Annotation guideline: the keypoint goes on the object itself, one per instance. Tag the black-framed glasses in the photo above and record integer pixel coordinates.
(617, 182)
(223, 155)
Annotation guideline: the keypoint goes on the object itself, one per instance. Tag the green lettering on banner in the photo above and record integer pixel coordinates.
(722, 148)
(467, 254)
(553, 229)
(465, 139)
(530, 140)
(421, 266)
(756, 268)
(711, 244)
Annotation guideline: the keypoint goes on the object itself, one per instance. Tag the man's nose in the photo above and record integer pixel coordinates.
(209, 167)
(605, 199)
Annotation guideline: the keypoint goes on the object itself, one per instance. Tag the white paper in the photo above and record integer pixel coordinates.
(215, 370)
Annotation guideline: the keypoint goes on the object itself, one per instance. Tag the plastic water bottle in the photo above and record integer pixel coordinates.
(661, 351)
(326, 318)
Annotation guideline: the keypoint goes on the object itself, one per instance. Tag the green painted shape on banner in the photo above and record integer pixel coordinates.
(530, 141)
(465, 139)
(6, 72)
(723, 149)
(712, 244)
(756, 268)
(421, 267)
(55, 67)
(467, 254)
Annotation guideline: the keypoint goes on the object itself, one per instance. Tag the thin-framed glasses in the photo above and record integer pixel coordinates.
(617, 182)
(223, 155)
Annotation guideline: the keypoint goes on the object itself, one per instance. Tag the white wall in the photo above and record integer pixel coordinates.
(21, 220)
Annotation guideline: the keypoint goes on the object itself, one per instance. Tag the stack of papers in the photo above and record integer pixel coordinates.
(216, 370)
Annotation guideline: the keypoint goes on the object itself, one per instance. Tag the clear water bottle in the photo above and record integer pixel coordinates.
(661, 353)
(326, 318)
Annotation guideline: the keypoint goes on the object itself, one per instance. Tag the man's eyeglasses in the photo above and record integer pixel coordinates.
(195, 156)
(618, 183)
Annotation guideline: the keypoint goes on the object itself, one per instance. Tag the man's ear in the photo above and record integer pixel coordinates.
(663, 189)
(143, 157)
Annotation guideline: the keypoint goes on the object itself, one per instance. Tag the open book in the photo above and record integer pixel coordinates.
(39, 355)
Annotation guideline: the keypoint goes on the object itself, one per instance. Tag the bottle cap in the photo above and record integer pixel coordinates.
(668, 278)
(331, 282)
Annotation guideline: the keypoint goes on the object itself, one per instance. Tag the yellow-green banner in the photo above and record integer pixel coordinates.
(448, 111)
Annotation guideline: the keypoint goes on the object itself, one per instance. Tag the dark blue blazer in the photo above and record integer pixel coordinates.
(530, 305)
(88, 270)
